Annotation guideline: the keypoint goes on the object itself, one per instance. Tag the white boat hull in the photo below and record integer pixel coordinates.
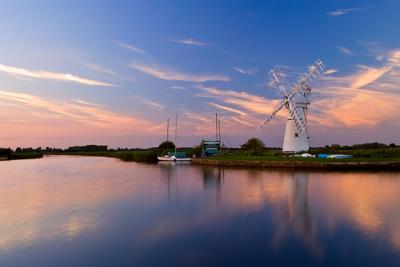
(174, 159)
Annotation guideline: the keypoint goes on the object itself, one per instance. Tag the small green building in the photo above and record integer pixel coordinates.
(210, 148)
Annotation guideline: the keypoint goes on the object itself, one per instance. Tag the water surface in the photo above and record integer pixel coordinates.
(88, 211)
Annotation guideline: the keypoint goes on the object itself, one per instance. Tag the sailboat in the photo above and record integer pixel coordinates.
(174, 156)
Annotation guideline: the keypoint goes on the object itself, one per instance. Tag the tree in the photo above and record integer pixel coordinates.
(5, 152)
(167, 145)
(197, 150)
(254, 145)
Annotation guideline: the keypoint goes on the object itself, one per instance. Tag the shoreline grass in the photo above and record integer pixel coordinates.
(287, 158)
(23, 155)
(363, 159)
(298, 164)
(144, 156)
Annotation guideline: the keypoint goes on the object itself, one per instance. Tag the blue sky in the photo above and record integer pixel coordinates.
(112, 72)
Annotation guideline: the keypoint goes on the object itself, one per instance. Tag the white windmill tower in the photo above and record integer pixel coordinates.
(296, 101)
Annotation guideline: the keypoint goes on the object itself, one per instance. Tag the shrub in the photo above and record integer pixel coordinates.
(167, 145)
(254, 145)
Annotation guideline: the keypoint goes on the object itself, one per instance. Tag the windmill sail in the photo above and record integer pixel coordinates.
(296, 101)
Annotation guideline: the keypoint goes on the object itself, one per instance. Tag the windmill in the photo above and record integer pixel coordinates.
(296, 101)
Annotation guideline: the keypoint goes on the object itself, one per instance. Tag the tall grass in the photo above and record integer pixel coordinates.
(147, 156)
(25, 155)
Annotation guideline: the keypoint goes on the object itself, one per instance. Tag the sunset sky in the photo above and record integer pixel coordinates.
(91, 72)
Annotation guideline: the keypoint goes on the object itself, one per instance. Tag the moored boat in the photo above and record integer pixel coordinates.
(174, 156)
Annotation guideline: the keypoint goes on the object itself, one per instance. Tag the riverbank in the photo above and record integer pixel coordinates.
(308, 163)
(144, 156)
(150, 156)
(18, 156)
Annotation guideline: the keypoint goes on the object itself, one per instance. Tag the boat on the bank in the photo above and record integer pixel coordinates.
(175, 157)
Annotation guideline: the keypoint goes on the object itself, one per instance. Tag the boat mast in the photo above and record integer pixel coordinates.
(168, 130)
(216, 126)
(176, 129)
(219, 129)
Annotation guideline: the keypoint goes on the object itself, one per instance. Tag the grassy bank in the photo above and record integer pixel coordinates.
(302, 163)
(359, 154)
(300, 159)
(380, 158)
(28, 155)
(146, 156)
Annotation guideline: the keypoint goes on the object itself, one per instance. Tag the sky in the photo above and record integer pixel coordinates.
(113, 72)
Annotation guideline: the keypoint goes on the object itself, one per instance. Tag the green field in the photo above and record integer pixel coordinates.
(359, 155)
(364, 158)
(287, 158)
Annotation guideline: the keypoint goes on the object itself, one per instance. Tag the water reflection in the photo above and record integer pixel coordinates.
(168, 174)
(298, 208)
(298, 214)
(213, 179)
(185, 214)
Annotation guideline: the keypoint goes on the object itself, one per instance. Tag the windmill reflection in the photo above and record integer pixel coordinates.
(213, 178)
(298, 213)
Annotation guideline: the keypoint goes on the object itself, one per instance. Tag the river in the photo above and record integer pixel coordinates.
(92, 211)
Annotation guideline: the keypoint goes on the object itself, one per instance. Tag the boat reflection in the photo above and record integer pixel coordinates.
(168, 174)
(213, 179)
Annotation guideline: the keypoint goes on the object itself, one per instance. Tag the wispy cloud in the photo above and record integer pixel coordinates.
(245, 121)
(330, 71)
(345, 51)
(176, 87)
(368, 75)
(394, 58)
(190, 41)
(344, 11)
(86, 103)
(42, 74)
(202, 124)
(340, 102)
(172, 75)
(246, 71)
(103, 70)
(225, 108)
(242, 100)
(152, 104)
(77, 111)
(99, 69)
(130, 47)
(241, 112)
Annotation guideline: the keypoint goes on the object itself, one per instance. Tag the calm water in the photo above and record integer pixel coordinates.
(84, 211)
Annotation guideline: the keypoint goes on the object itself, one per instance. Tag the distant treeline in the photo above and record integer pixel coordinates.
(367, 150)
(26, 153)
(374, 145)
